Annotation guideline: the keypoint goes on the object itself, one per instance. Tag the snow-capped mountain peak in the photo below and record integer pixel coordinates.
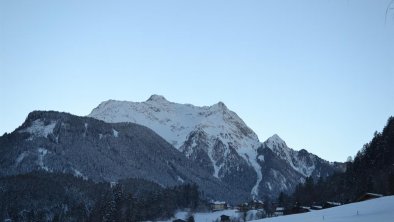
(301, 161)
(275, 142)
(174, 122)
(157, 98)
(220, 106)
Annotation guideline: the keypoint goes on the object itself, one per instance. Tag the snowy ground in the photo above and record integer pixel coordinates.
(376, 210)
(207, 217)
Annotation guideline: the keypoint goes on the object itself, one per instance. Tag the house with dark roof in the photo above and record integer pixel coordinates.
(368, 196)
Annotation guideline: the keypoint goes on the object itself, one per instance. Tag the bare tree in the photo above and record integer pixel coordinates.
(389, 9)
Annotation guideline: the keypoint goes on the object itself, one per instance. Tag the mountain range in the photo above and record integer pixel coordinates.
(219, 141)
(163, 142)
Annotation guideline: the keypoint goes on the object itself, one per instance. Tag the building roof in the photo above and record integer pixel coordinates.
(367, 196)
(218, 202)
(334, 203)
(374, 194)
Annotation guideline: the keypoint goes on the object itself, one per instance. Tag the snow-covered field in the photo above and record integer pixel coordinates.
(376, 210)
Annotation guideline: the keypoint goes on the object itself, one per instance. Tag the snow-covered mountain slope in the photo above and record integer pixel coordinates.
(302, 161)
(283, 168)
(380, 209)
(214, 135)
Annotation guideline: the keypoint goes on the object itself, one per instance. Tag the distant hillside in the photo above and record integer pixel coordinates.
(103, 152)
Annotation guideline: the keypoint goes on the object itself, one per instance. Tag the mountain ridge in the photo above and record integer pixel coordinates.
(93, 149)
(214, 136)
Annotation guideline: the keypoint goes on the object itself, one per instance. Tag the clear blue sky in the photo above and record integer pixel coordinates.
(320, 74)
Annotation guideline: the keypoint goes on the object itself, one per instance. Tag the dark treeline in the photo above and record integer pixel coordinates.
(122, 206)
(42, 196)
(372, 170)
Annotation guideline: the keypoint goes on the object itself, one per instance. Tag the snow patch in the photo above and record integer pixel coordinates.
(86, 129)
(21, 156)
(181, 180)
(115, 133)
(250, 155)
(39, 129)
(77, 173)
(41, 155)
(269, 185)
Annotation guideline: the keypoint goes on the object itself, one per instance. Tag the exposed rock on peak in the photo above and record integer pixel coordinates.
(157, 98)
(275, 142)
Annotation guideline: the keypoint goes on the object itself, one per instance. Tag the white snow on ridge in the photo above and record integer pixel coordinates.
(39, 129)
(174, 121)
(380, 209)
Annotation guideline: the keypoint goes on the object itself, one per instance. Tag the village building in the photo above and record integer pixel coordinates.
(368, 196)
(279, 211)
(256, 204)
(299, 209)
(224, 218)
(330, 204)
(218, 205)
(316, 207)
